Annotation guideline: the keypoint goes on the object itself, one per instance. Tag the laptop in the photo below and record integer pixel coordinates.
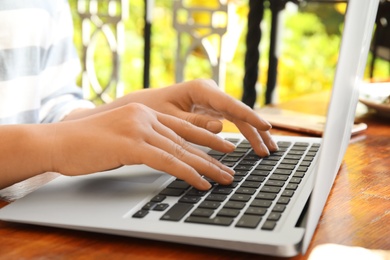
(271, 208)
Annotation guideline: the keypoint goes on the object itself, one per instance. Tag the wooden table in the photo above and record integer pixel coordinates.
(357, 212)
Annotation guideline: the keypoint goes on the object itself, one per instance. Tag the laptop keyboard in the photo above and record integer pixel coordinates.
(257, 198)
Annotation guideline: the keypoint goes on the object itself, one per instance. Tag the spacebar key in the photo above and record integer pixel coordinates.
(220, 221)
(177, 211)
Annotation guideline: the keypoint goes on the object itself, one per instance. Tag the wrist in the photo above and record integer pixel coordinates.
(25, 152)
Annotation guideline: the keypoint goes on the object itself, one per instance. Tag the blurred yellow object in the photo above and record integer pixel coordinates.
(341, 7)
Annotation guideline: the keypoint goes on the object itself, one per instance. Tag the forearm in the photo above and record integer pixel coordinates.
(24, 151)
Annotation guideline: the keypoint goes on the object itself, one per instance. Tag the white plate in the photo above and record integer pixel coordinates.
(373, 94)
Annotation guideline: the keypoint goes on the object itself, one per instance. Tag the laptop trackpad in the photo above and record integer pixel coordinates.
(84, 196)
(129, 182)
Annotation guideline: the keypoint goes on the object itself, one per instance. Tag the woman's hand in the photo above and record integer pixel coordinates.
(136, 134)
(203, 104)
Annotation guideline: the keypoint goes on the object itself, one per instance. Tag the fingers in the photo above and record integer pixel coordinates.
(206, 94)
(202, 117)
(261, 141)
(196, 134)
(166, 162)
(172, 154)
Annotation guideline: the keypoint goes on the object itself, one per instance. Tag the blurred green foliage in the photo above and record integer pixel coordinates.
(308, 51)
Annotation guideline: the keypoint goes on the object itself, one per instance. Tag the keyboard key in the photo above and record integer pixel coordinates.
(269, 225)
(199, 212)
(226, 212)
(149, 205)
(284, 144)
(247, 162)
(279, 177)
(161, 207)
(221, 190)
(288, 193)
(275, 183)
(172, 192)
(308, 158)
(228, 164)
(293, 157)
(231, 185)
(295, 180)
(244, 190)
(302, 168)
(260, 173)
(190, 199)
(298, 148)
(243, 167)
(293, 152)
(292, 186)
(220, 221)
(279, 153)
(240, 197)
(268, 162)
(209, 205)
(255, 178)
(284, 200)
(289, 161)
(273, 157)
(279, 208)
(299, 174)
(237, 178)
(230, 159)
(286, 166)
(264, 167)
(177, 212)
(261, 203)
(270, 189)
(256, 211)
(266, 196)
(250, 184)
(178, 184)
(249, 221)
(251, 157)
(274, 216)
(305, 164)
(158, 198)
(195, 192)
(234, 204)
(140, 213)
(282, 171)
(216, 197)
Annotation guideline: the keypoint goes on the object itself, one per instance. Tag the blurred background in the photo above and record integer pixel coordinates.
(308, 44)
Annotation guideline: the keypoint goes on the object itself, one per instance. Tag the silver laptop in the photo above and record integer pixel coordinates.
(272, 207)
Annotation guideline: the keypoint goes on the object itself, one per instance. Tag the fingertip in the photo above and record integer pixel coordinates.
(262, 150)
(230, 147)
(272, 145)
(203, 185)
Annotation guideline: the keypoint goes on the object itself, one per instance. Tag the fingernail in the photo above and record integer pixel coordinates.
(264, 149)
(273, 145)
(230, 145)
(205, 185)
(227, 177)
(214, 126)
(228, 170)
